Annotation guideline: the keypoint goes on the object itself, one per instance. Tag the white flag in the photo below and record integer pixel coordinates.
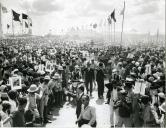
(123, 10)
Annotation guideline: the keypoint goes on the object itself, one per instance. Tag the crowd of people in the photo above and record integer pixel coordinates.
(38, 74)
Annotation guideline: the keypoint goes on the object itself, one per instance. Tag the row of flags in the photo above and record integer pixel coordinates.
(16, 17)
(112, 15)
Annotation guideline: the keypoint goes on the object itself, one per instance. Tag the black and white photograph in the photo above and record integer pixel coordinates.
(82, 63)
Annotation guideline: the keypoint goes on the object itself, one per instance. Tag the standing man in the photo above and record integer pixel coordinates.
(100, 81)
(89, 77)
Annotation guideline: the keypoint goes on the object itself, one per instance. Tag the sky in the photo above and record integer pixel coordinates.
(141, 16)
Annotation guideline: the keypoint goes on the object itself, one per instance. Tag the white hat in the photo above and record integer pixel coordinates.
(163, 107)
(60, 68)
(56, 76)
(114, 70)
(76, 66)
(137, 64)
(47, 77)
(161, 95)
(33, 88)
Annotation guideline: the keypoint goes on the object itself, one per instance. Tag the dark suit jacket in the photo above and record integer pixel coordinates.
(100, 76)
(89, 74)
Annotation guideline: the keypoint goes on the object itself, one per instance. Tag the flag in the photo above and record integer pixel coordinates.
(30, 21)
(8, 26)
(95, 25)
(24, 16)
(113, 15)
(26, 25)
(123, 10)
(16, 16)
(4, 9)
(109, 19)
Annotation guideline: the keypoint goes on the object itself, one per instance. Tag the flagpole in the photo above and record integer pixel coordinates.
(122, 29)
(157, 37)
(12, 25)
(111, 32)
(1, 32)
(22, 26)
(114, 32)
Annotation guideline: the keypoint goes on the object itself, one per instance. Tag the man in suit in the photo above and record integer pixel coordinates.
(100, 80)
(80, 93)
(89, 77)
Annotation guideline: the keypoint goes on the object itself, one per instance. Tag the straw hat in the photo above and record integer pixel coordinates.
(47, 77)
(56, 76)
(161, 95)
(163, 107)
(60, 68)
(33, 88)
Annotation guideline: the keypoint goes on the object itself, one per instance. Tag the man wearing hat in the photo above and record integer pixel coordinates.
(32, 97)
(44, 99)
(125, 108)
(89, 77)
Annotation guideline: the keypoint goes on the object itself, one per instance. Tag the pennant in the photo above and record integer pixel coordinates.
(16, 16)
(8, 26)
(113, 15)
(4, 9)
(24, 16)
(26, 25)
(123, 10)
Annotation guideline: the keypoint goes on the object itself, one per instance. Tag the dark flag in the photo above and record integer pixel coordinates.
(26, 25)
(8, 26)
(24, 16)
(113, 15)
(94, 25)
(16, 16)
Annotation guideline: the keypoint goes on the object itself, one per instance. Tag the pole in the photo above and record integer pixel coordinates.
(157, 36)
(12, 25)
(122, 29)
(1, 32)
(109, 32)
(114, 32)
(22, 26)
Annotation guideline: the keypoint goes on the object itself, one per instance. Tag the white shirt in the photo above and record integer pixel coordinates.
(88, 113)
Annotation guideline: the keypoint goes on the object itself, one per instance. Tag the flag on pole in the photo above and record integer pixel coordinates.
(123, 10)
(95, 25)
(16, 16)
(24, 16)
(26, 25)
(4, 9)
(113, 16)
(8, 26)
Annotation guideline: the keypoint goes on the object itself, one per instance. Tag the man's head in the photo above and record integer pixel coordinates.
(22, 101)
